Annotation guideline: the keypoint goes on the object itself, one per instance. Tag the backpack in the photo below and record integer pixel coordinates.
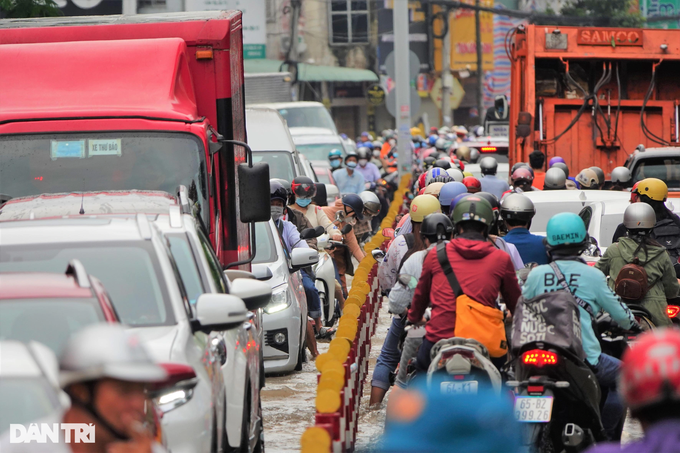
(632, 282)
(552, 318)
(667, 233)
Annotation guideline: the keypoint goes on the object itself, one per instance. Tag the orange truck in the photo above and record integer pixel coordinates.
(593, 95)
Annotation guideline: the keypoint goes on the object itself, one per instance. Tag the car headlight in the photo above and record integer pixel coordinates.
(280, 300)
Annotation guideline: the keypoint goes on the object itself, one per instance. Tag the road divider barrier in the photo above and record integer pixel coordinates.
(343, 369)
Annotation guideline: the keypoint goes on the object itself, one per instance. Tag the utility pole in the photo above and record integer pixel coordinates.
(480, 70)
(446, 74)
(402, 84)
(293, 48)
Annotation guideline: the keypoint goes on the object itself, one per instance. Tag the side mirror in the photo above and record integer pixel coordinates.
(321, 199)
(262, 272)
(523, 127)
(332, 193)
(311, 233)
(218, 312)
(303, 257)
(388, 232)
(255, 294)
(346, 229)
(378, 254)
(254, 200)
(318, 231)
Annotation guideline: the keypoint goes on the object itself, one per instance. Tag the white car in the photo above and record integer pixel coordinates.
(285, 318)
(315, 143)
(303, 114)
(132, 259)
(503, 171)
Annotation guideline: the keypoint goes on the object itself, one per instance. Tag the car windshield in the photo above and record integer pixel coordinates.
(666, 169)
(266, 250)
(545, 210)
(186, 264)
(280, 163)
(25, 400)
(318, 151)
(130, 272)
(323, 176)
(311, 116)
(48, 321)
(57, 163)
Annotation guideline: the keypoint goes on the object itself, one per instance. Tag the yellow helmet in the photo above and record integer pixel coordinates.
(463, 153)
(654, 188)
(467, 173)
(434, 189)
(424, 205)
(415, 131)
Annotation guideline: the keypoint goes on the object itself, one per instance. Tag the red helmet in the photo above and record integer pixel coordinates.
(459, 163)
(422, 191)
(473, 185)
(522, 173)
(650, 371)
(634, 192)
(304, 187)
(421, 180)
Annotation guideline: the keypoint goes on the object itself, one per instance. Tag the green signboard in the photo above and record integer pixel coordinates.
(654, 10)
(251, 51)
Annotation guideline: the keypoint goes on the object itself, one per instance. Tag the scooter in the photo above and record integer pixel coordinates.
(557, 398)
(325, 282)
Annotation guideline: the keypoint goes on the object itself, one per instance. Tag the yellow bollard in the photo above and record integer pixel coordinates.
(315, 440)
(322, 359)
(351, 310)
(333, 365)
(327, 401)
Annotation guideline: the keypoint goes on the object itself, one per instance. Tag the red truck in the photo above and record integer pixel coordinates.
(133, 102)
(592, 95)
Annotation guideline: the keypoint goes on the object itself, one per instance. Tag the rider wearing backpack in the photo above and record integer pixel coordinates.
(566, 239)
(640, 269)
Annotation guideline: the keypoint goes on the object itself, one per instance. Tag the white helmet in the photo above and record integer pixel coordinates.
(639, 216)
(371, 202)
(107, 351)
(621, 175)
(456, 174)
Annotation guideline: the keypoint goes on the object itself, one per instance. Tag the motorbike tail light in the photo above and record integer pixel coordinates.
(673, 311)
(539, 358)
(535, 389)
(488, 149)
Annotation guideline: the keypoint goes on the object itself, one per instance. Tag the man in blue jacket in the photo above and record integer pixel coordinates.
(517, 211)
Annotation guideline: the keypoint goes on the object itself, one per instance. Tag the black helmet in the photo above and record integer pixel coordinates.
(443, 178)
(443, 163)
(363, 153)
(488, 165)
(277, 191)
(493, 201)
(429, 162)
(289, 191)
(600, 175)
(304, 187)
(353, 201)
(436, 227)
(519, 207)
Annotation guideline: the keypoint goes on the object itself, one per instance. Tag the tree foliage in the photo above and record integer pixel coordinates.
(28, 8)
(605, 13)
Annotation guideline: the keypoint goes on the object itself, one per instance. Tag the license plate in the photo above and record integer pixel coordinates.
(533, 409)
(498, 130)
(454, 388)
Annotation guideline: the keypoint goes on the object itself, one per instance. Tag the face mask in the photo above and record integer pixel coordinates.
(392, 142)
(376, 154)
(351, 164)
(363, 162)
(341, 216)
(335, 163)
(395, 155)
(277, 212)
(303, 202)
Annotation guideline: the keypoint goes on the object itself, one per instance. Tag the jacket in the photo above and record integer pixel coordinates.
(400, 296)
(530, 246)
(590, 285)
(387, 270)
(349, 184)
(316, 217)
(301, 223)
(660, 274)
(482, 271)
(661, 437)
(350, 239)
(493, 185)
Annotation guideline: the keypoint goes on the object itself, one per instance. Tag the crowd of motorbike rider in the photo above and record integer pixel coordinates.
(466, 245)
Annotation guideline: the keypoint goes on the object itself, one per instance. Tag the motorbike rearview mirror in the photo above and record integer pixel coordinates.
(378, 254)
(318, 231)
(321, 196)
(346, 229)
(307, 233)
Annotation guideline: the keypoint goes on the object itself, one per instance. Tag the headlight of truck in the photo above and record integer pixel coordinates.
(280, 300)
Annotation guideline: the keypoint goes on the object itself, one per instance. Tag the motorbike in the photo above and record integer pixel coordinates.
(557, 398)
(325, 282)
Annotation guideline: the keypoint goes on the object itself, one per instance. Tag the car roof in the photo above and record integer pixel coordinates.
(267, 130)
(92, 203)
(289, 105)
(17, 360)
(36, 285)
(585, 196)
(657, 152)
(298, 131)
(330, 139)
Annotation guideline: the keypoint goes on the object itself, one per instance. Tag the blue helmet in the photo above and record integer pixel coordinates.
(433, 173)
(459, 197)
(368, 145)
(335, 153)
(432, 139)
(449, 191)
(355, 202)
(566, 229)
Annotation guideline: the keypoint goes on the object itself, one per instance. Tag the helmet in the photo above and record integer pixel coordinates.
(443, 178)
(335, 153)
(289, 190)
(457, 199)
(438, 225)
(434, 189)
(474, 154)
(368, 145)
(516, 206)
(352, 200)
(479, 131)
(277, 191)
(460, 130)
(473, 185)
(649, 372)
(488, 165)
(449, 191)
(562, 166)
(443, 163)
(107, 351)
(432, 139)
(445, 130)
(491, 198)
(566, 228)
(473, 208)
(458, 163)
(371, 202)
(555, 160)
(555, 179)
(588, 179)
(429, 162)
(463, 153)
(522, 165)
(363, 152)
(621, 175)
(440, 143)
(600, 175)
(377, 144)
(654, 188)
(456, 174)
(351, 154)
(423, 205)
(639, 216)
(433, 173)
(303, 187)
(421, 180)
